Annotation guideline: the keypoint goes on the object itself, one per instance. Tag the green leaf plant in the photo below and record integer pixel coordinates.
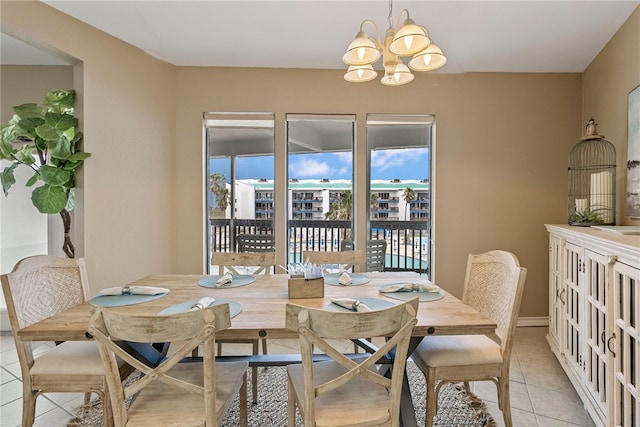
(588, 216)
(45, 138)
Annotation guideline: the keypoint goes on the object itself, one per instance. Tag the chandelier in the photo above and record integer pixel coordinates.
(408, 40)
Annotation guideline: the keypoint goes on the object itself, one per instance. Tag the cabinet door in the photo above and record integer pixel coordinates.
(597, 271)
(572, 347)
(556, 290)
(625, 347)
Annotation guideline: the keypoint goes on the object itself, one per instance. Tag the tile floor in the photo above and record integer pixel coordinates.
(541, 394)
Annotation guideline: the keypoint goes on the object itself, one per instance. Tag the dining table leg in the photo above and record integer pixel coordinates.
(407, 410)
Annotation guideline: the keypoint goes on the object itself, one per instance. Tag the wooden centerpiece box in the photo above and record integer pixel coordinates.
(299, 287)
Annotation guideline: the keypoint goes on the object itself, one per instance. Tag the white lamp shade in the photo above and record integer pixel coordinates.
(429, 59)
(360, 73)
(409, 39)
(396, 76)
(361, 51)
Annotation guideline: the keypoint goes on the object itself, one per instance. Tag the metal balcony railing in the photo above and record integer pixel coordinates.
(408, 242)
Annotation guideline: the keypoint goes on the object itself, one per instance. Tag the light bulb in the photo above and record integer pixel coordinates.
(408, 42)
(360, 51)
(360, 73)
(396, 77)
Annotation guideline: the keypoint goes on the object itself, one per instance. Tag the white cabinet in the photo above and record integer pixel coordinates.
(594, 280)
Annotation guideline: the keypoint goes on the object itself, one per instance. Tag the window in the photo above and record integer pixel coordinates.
(239, 173)
(399, 187)
(320, 181)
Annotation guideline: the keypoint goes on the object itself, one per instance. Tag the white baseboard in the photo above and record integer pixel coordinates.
(532, 321)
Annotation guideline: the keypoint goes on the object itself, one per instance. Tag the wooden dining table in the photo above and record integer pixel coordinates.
(263, 306)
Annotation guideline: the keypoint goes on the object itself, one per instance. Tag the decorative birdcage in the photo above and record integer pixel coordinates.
(592, 180)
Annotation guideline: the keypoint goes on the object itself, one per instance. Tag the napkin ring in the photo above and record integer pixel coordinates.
(198, 306)
(355, 305)
(126, 290)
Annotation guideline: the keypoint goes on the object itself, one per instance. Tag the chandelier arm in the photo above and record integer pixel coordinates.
(375, 40)
(400, 21)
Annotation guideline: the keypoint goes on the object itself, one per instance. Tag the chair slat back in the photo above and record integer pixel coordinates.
(349, 260)
(494, 283)
(188, 330)
(39, 287)
(375, 253)
(256, 243)
(318, 330)
(228, 261)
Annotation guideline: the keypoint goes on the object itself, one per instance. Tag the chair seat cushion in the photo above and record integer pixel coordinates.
(69, 358)
(361, 399)
(457, 350)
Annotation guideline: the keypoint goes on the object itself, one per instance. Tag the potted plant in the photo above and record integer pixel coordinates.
(49, 146)
(588, 216)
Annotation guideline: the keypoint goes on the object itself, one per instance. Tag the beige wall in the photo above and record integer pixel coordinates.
(501, 150)
(606, 83)
(127, 104)
(501, 153)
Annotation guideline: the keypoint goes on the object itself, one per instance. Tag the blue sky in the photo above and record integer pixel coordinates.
(402, 164)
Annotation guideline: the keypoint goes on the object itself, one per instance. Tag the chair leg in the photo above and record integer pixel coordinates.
(28, 408)
(243, 402)
(432, 397)
(504, 400)
(291, 405)
(107, 410)
(254, 375)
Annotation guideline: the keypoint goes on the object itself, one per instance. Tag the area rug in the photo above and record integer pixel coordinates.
(455, 407)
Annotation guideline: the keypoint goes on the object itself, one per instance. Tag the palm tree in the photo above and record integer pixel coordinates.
(409, 195)
(218, 186)
(341, 210)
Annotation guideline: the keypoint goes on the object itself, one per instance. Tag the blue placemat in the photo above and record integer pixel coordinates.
(234, 307)
(238, 280)
(120, 300)
(406, 296)
(373, 303)
(356, 279)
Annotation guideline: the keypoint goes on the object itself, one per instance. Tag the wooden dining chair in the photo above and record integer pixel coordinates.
(39, 287)
(256, 243)
(263, 262)
(343, 391)
(376, 251)
(348, 260)
(195, 393)
(494, 283)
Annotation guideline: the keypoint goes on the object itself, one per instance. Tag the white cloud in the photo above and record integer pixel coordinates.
(387, 159)
(305, 168)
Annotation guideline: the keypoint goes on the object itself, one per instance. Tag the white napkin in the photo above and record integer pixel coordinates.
(345, 279)
(202, 303)
(133, 290)
(226, 278)
(412, 287)
(351, 304)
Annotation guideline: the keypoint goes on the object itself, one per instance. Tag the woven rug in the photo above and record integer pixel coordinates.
(455, 407)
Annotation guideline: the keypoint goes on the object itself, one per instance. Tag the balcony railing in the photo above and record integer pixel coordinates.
(408, 242)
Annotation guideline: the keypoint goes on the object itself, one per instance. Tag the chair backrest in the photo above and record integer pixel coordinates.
(256, 243)
(318, 329)
(39, 287)
(494, 283)
(376, 251)
(348, 260)
(229, 261)
(188, 330)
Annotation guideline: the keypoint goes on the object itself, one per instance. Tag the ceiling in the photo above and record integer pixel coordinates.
(476, 36)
